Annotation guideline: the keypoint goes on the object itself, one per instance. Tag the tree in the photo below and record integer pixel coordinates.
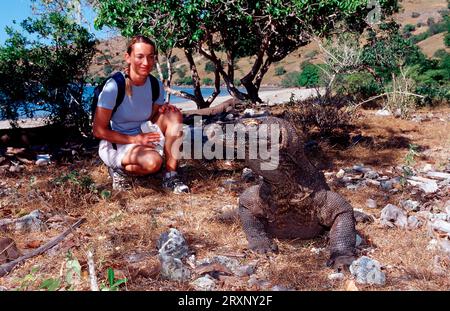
(266, 30)
(48, 73)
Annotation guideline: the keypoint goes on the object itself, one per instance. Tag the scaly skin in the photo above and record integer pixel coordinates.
(294, 201)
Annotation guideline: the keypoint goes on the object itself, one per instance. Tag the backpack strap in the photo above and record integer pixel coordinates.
(120, 81)
(155, 87)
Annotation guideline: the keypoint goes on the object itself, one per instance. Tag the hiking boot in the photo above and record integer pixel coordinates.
(175, 185)
(120, 180)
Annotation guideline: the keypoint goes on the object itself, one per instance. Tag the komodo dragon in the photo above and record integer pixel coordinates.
(294, 201)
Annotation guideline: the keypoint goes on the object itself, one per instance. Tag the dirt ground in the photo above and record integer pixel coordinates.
(122, 225)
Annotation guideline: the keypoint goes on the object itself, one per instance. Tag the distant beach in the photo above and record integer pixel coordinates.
(271, 96)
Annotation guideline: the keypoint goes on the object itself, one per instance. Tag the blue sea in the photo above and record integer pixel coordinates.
(206, 92)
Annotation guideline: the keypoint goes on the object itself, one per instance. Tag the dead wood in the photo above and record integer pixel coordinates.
(8, 267)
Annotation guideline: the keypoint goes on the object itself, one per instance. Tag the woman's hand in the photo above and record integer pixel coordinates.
(147, 138)
(168, 108)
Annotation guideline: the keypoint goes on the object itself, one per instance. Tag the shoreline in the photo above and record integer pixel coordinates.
(269, 95)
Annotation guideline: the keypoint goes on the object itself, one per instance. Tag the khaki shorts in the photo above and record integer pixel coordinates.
(112, 157)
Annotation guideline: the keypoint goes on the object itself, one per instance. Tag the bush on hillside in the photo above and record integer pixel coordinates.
(279, 71)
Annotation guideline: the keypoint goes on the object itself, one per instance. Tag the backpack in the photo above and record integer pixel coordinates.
(120, 81)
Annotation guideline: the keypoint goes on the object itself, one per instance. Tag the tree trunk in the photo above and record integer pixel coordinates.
(196, 79)
(247, 81)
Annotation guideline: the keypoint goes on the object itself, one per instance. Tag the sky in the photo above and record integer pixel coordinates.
(20, 9)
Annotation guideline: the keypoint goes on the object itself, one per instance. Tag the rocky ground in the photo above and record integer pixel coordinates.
(396, 171)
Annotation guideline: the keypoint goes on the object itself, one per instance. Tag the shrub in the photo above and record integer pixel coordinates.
(361, 85)
(409, 28)
(181, 71)
(311, 54)
(441, 53)
(210, 67)
(207, 81)
(291, 79)
(447, 39)
(185, 81)
(310, 76)
(279, 71)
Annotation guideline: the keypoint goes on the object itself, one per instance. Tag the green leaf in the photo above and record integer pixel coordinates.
(50, 284)
(110, 276)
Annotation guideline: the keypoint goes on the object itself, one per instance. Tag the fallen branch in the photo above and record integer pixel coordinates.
(8, 267)
(223, 107)
(92, 275)
(389, 93)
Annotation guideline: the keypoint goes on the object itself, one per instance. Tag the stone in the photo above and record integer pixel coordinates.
(438, 175)
(414, 222)
(359, 240)
(228, 213)
(340, 174)
(447, 207)
(15, 168)
(173, 269)
(336, 276)
(427, 167)
(392, 216)
(280, 288)
(444, 245)
(361, 169)
(371, 175)
(204, 283)
(229, 117)
(247, 174)
(232, 264)
(42, 162)
(249, 112)
(173, 243)
(317, 251)
(370, 203)
(31, 222)
(410, 205)
(367, 271)
(383, 113)
(425, 184)
(440, 225)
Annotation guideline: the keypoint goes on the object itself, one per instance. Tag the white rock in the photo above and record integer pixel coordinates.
(440, 225)
(370, 203)
(317, 251)
(432, 245)
(383, 113)
(438, 175)
(367, 271)
(447, 207)
(340, 174)
(427, 167)
(427, 185)
(42, 162)
(410, 205)
(359, 240)
(173, 269)
(173, 243)
(249, 112)
(392, 215)
(336, 276)
(413, 222)
(204, 283)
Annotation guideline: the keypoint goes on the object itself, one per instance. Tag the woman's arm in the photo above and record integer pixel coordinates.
(101, 130)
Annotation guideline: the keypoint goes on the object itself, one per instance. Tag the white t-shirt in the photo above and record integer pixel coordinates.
(133, 110)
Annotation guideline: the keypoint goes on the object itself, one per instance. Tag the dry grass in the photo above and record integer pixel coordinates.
(131, 223)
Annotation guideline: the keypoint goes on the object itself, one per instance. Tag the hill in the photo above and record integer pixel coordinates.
(413, 12)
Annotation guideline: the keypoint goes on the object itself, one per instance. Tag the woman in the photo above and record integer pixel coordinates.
(124, 147)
